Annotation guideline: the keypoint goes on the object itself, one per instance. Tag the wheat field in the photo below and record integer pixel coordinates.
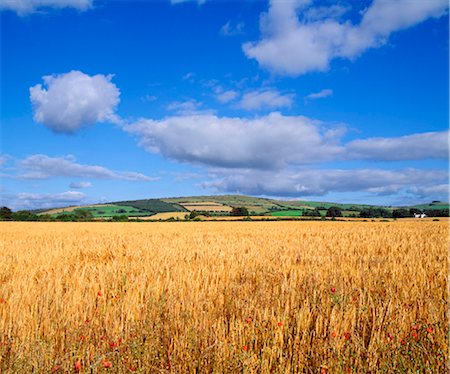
(224, 297)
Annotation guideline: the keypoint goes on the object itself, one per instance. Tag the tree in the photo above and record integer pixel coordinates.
(5, 213)
(401, 213)
(25, 215)
(83, 215)
(334, 211)
(239, 211)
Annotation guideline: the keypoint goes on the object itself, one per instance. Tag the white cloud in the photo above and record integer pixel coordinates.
(294, 46)
(271, 141)
(409, 147)
(78, 185)
(320, 95)
(26, 200)
(188, 76)
(199, 2)
(148, 98)
(43, 167)
(74, 100)
(319, 182)
(4, 159)
(438, 191)
(230, 30)
(185, 107)
(227, 96)
(265, 99)
(25, 7)
(274, 141)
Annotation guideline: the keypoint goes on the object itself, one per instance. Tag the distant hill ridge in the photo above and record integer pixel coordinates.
(223, 204)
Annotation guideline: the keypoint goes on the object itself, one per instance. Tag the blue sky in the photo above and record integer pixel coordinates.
(320, 100)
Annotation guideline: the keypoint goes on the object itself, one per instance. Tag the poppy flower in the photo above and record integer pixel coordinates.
(106, 364)
(77, 365)
(245, 348)
(333, 289)
(429, 330)
(415, 335)
(333, 334)
(99, 293)
(280, 324)
(347, 336)
(112, 345)
(249, 319)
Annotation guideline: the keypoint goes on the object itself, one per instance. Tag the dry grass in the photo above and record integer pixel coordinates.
(279, 297)
(162, 216)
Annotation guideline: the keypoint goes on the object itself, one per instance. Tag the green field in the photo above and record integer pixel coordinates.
(287, 213)
(106, 211)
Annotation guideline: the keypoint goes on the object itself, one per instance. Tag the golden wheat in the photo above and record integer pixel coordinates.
(264, 297)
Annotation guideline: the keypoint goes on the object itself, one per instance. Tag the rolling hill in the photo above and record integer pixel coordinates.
(221, 205)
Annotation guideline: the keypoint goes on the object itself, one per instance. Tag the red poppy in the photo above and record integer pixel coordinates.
(323, 371)
(87, 320)
(333, 289)
(415, 335)
(415, 327)
(106, 364)
(112, 345)
(429, 330)
(402, 341)
(245, 348)
(280, 324)
(333, 334)
(249, 319)
(99, 293)
(77, 365)
(2, 300)
(347, 336)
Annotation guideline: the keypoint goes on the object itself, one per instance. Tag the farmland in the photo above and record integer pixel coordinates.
(222, 205)
(224, 297)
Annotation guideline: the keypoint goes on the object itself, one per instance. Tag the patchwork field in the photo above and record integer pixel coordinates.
(225, 297)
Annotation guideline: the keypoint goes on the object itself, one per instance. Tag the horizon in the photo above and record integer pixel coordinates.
(317, 101)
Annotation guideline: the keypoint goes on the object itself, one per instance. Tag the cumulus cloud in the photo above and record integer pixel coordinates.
(79, 185)
(271, 141)
(318, 182)
(274, 141)
(409, 147)
(320, 95)
(230, 30)
(68, 102)
(43, 167)
(295, 45)
(25, 7)
(267, 99)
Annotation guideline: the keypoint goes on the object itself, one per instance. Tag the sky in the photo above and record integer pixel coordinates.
(344, 101)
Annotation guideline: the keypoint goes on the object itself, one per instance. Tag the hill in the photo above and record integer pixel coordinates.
(221, 205)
